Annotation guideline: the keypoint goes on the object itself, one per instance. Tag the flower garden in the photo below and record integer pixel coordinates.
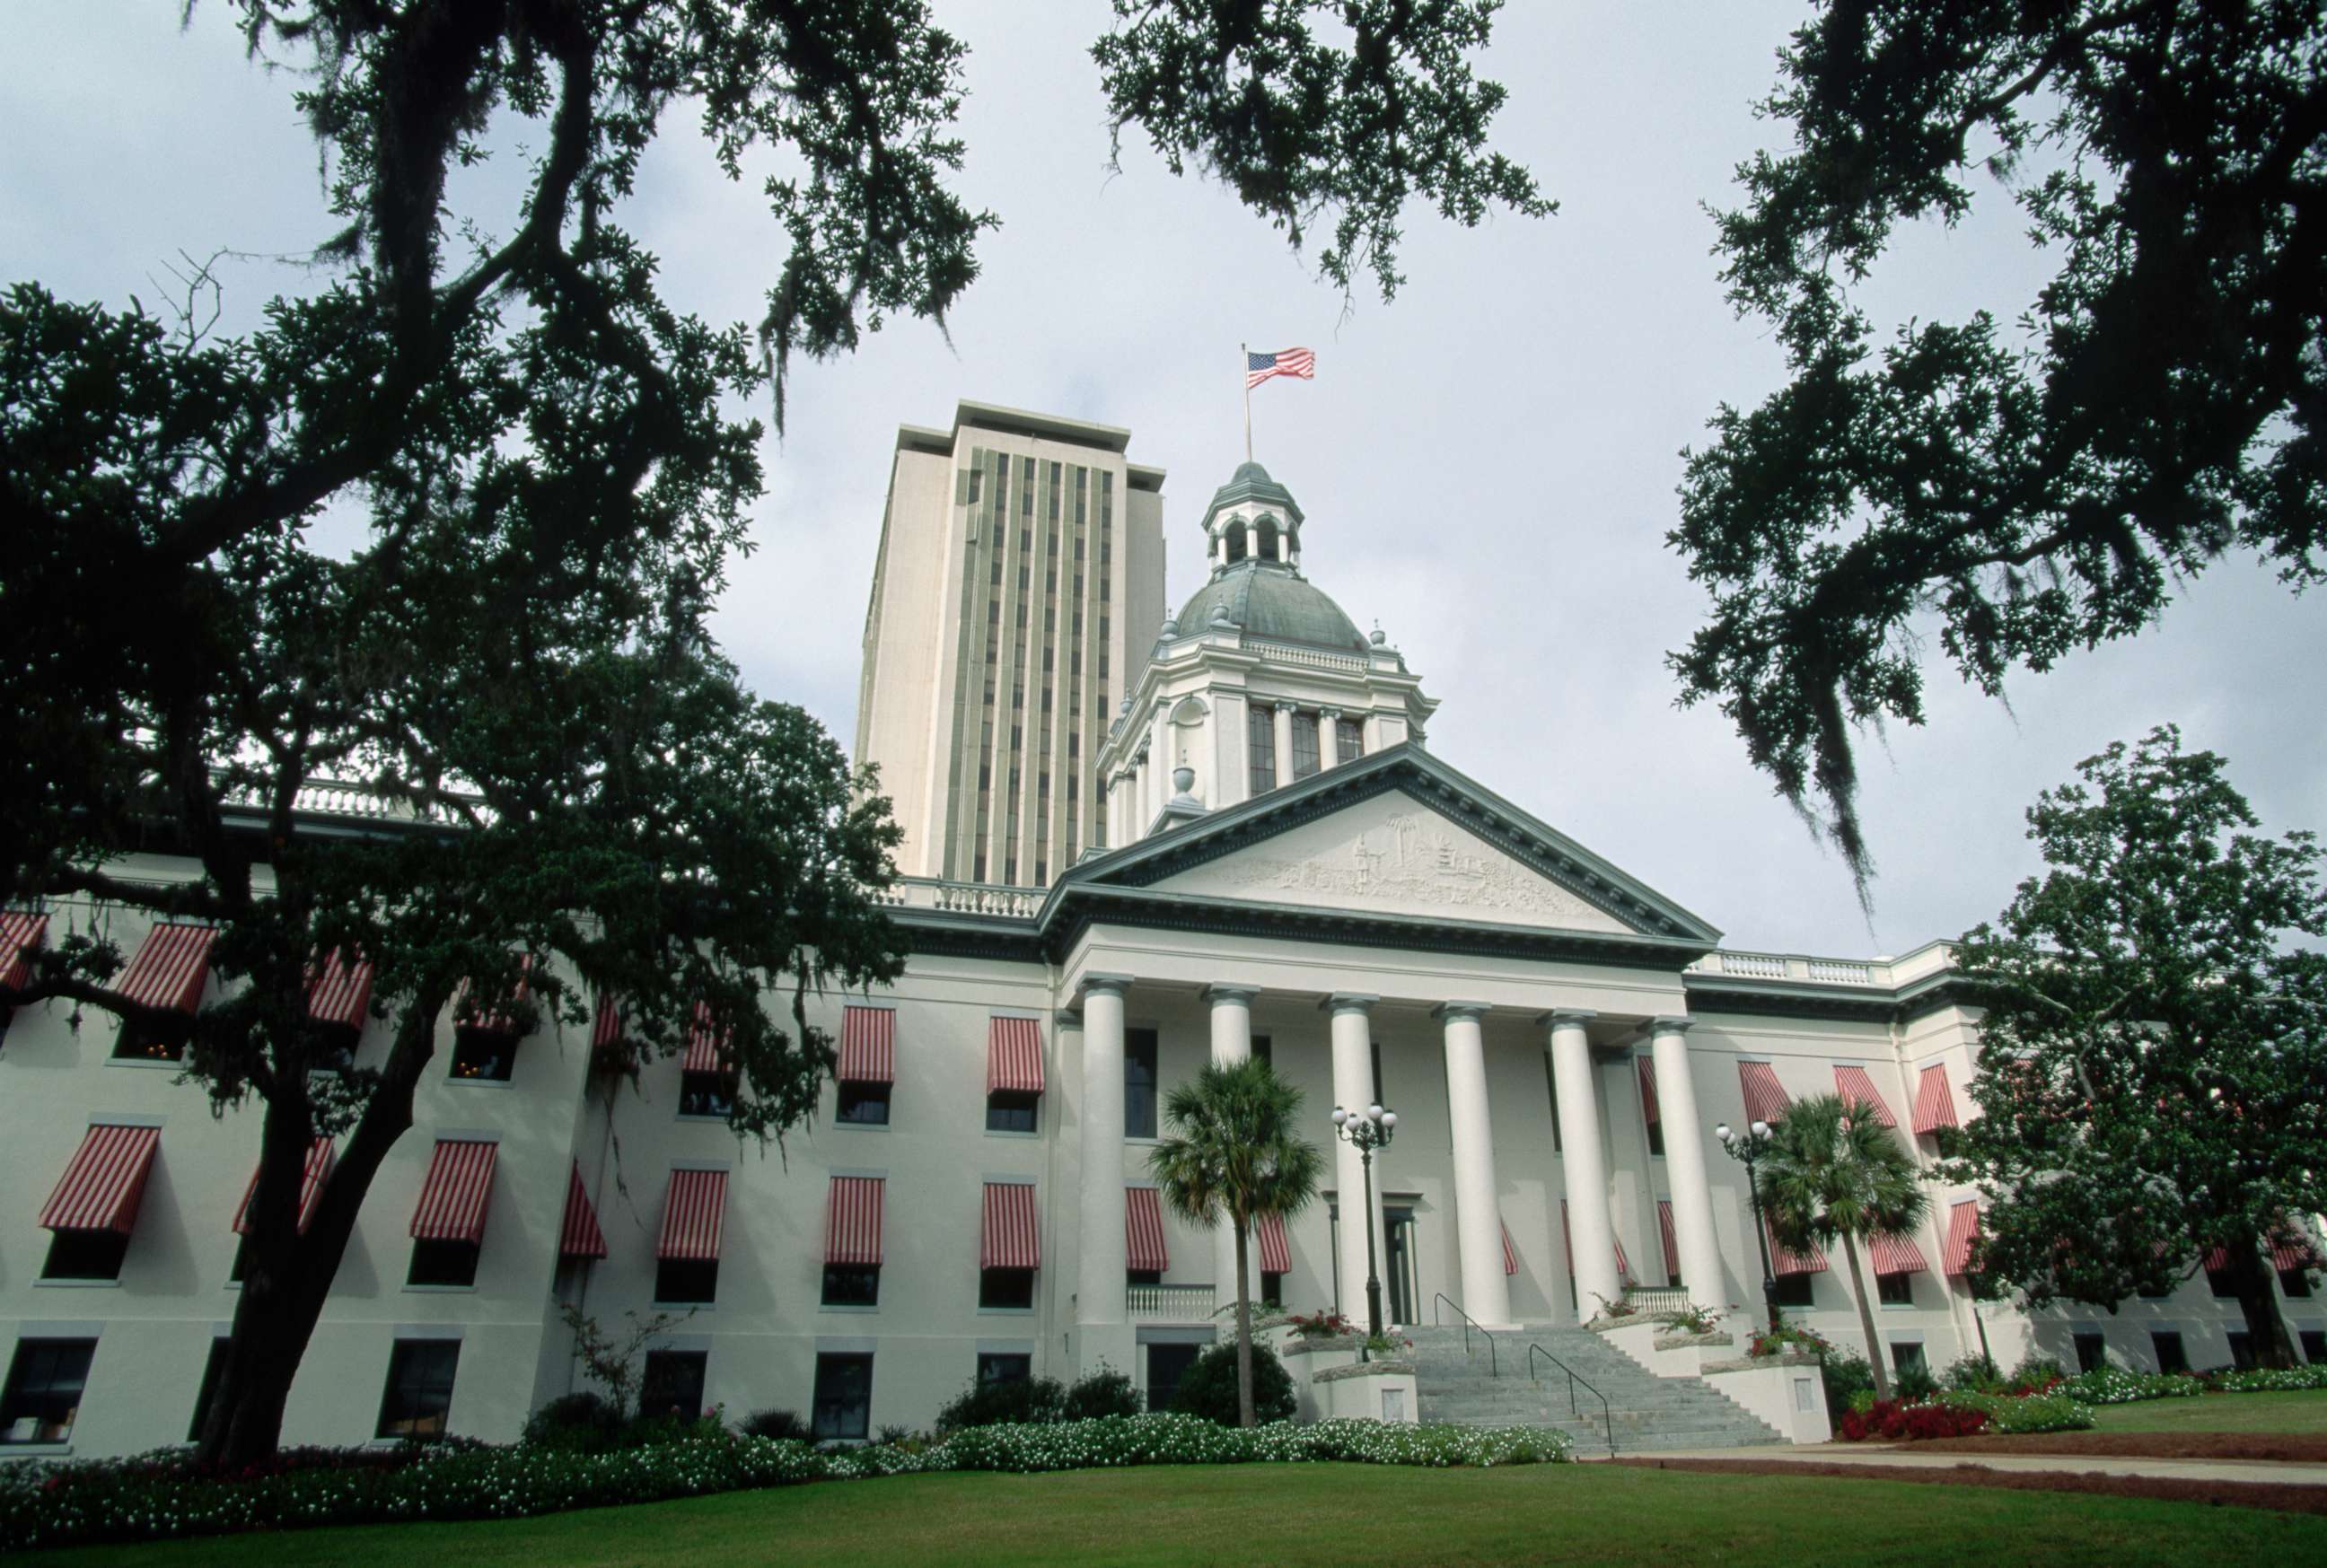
(2039, 1399)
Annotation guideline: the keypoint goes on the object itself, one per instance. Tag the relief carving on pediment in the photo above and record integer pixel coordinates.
(1411, 859)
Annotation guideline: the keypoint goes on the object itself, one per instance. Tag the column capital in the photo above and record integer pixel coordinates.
(1461, 1011)
(1670, 1024)
(1559, 1017)
(1328, 713)
(1069, 1018)
(1110, 984)
(1234, 995)
(1349, 1002)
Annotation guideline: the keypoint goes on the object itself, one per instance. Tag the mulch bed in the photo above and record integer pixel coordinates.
(2292, 1500)
(2303, 1449)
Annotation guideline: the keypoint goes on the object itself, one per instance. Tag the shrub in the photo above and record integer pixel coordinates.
(774, 1423)
(583, 1422)
(1914, 1385)
(2115, 1385)
(1105, 1392)
(1322, 1324)
(1979, 1372)
(2274, 1379)
(2013, 1415)
(1019, 1400)
(1209, 1387)
(1692, 1319)
(1843, 1373)
(2035, 1374)
(1894, 1422)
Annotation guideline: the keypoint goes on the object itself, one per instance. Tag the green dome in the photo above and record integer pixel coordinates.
(1269, 599)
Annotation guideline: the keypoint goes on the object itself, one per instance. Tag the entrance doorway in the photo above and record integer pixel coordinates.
(1400, 1285)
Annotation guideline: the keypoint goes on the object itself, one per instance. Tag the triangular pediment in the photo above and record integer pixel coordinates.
(1403, 835)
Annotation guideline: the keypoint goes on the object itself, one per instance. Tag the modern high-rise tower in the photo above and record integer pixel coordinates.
(1019, 586)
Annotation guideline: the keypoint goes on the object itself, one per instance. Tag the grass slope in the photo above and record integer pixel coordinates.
(2302, 1412)
(1301, 1514)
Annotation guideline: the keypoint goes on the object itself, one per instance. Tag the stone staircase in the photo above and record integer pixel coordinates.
(1647, 1412)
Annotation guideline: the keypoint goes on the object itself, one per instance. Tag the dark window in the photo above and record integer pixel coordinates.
(1895, 1289)
(2241, 1350)
(1142, 1276)
(1907, 1356)
(442, 1263)
(1551, 1088)
(143, 1042)
(213, 1368)
(2314, 1344)
(1656, 1139)
(706, 1094)
(1005, 1287)
(867, 1105)
(1011, 1111)
(1793, 1290)
(2295, 1283)
(419, 1389)
(2170, 1357)
(1260, 742)
(2223, 1283)
(1138, 1083)
(851, 1285)
(85, 1254)
(1264, 1048)
(844, 1396)
(686, 1281)
(483, 1053)
(1305, 757)
(1272, 1290)
(672, 1384)
(1381, 1094)
(1166, 1365)
(43, 1392)
(995, 1367)
(1349, 740)
(976, 478)
(2092, 1352)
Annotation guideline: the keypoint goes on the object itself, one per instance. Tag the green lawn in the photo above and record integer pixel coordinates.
(2305, 1412)
(1324, 1515)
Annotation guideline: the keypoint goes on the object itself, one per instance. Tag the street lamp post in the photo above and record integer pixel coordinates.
(1370, 1129)
(1749, 1147)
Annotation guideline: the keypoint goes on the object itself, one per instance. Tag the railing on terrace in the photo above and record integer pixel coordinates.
(915, 893)
(1180, 1304)
(1656, 1297)
(1793, 967)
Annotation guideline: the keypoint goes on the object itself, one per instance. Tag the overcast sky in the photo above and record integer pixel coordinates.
(1488, 465)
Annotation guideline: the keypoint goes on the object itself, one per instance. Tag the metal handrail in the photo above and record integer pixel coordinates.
(1469, 1323)
(1607, 1418)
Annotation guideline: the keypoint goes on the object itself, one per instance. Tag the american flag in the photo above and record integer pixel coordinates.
(1259, 368)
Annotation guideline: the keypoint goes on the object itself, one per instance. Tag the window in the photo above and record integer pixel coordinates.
(1907, 1356)
(2092, 1352)
(419, 1389)
(707, 1094)
(686, 1281)
(213, 1368)
(1656, 1140)
(1381, 1096)
(1551, 1086)
(85, 1254)
(672, 1384)
(1895, 1289)
(2241, 1350)
(975, 476)
(1012, 1111)
(2295, 1283)
(997, 1367)
(44, 1391)
(1272, 1290)
(1305, 757)
(442, 1263)
(1138, 1083)
(2223, 1283)
(1166, 1365)
(142, 1041)
(844, 1396)
(1264, 1049)
(849, 1285)
(2170, 1357)
(1793, 1290)
(867, 1104)
(1349, 740)
(2314, 1344)
(1006, 1288)
(1260, 742)
(1142, 1276)
(485, 1054)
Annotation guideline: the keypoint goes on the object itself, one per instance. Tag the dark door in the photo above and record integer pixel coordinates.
(1165, 1364)
(1399, 1279)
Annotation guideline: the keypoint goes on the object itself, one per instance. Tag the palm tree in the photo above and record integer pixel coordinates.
(1835, 1170)
(1230, 1150)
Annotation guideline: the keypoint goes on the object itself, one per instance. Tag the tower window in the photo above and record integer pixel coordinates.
(1305, 757)
(1261, 743)
(1349, 740)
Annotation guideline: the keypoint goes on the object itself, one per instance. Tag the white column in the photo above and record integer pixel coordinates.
(1100, 1253)
(1329, 748)
(1692, 1191)
(1354, 1087)
(1477, 1217)
(1590, 1228)
(1284, 747)
(1161, 761)
(1231, 1044)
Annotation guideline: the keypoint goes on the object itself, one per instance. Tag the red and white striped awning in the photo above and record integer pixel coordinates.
(171, 966)
(339, 992)
(1765, 1098)
(868, 1046)
(1276, 1251)
(1511, 1253)
(1857, 1089)
(579, 1236)
(497, 1022)
(22, 933)
(1648, 1088)
(1567, 1240)
(1671, 1239)
(1935, 1105)
(1896, 1255)
(1010, 1238)
(458, 1191)
(1963, 1229)
(706, 1044)
(693, 1216)
(101, 1188)
(1787, 1262)
(310, 1188)
(852, 1221)
(1014, 1060)
(1143, 1230)
(2291, 1249)
(606, 1028)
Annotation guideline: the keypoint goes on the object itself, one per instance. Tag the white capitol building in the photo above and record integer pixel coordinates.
(1136, 842)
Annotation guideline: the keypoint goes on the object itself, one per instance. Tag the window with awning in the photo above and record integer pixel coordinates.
(1671, 1239)
(1935, 1103)
(852, 1241)
(1765, 1098)
(1895, 1254)
(92, 1211)
(1013, 1074)
(1143, 1231)
(1963, 1230)
(339, 990)
(1785, 1261)
(1009, 1246)
(1856, 1086)
(867, 1073)
(686, 1252)
(578, 1236)
(448, 1223)
(21, 935)
(1275, 1249)
(708, 1071)
(485, 1040)
(171, 967)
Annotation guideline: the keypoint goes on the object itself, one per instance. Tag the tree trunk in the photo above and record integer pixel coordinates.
(1866, 1319)
(2258, 1300)
(1244, 1325)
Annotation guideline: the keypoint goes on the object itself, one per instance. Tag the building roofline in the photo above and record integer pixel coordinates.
(1050, 426)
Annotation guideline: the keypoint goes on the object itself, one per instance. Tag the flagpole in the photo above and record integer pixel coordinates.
(1244, 358)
